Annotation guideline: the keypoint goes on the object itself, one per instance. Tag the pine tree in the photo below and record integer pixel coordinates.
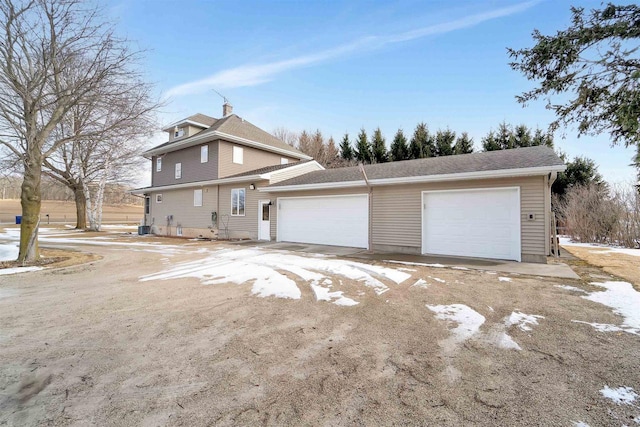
(444, 142)
(317, 147)
(379, 147)
(346, 152)
(464, 144)
(522, 136)
(420, 144)
(331, 152)
(363, 150)
(304, 143)
(489, 142)
(504, 136)
(399, 147)
(542, 138)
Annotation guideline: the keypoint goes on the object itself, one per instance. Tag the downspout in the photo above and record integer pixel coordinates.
(552, 232)
(370, 225)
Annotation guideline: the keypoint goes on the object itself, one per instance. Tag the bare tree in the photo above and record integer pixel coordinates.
(53, 53)
(284, 134)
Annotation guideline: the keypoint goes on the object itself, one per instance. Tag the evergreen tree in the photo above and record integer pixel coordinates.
(464, 144)
(346, 152)
(636, 164)
(304, 143)
(378, 147)
(420, 145)
(542, 138)
(399, 147)
(505, 137)
(522, 136)
(331, 152)
(444, 142)
(489, 142)
(580, 171)
(363, 150)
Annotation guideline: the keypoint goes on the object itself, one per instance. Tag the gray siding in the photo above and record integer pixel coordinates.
(179, 203)
(397, 211)
(243, 226)
(192, 169)
(253, 158)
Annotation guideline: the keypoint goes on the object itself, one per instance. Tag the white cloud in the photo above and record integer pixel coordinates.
(255, 74)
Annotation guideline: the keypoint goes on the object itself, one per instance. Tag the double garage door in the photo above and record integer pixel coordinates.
(482, 223)
(325, 220)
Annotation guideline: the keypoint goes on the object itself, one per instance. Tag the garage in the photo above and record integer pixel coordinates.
(325, 220)
(482, 223)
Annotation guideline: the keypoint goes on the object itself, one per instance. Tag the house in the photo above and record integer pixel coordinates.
(232, 179)
(203, 179)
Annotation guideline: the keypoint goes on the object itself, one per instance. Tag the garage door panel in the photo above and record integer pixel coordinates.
(326, 220)
(476, 223)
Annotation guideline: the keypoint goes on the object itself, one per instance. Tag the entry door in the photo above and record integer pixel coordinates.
(264, 220)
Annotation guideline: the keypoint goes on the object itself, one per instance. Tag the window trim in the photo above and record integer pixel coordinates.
(195, 199)
(159, 164)
(244, 204)
(178, 170)
(204, 153)
(158, 197)
(179, 133)
(237, 156)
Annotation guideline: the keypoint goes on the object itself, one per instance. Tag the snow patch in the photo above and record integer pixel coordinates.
(337, 297)
(565, 241)
(415, 263)
(421, 283)
(468, 320)
(437, 280)
(602, 327)
(620, 395)
(8, 251)
(504, 279)
(460, 268)
(624, 300)
(16, 270)
(522, 320)
(580, 424)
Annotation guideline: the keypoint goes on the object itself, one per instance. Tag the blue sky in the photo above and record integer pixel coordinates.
(340, 66)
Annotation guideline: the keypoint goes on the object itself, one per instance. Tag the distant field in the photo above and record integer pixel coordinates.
(65, 212)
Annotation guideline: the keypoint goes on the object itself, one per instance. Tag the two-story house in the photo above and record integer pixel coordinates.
(206, 178)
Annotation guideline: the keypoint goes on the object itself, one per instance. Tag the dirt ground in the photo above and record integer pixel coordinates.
(65, 212)
(92, 345)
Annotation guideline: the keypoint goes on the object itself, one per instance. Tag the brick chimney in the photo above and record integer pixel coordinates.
(227, 109)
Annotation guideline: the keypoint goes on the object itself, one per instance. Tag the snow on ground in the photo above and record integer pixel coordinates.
(415, 263)
(571, 288)
(16, 270)
(254, 264)
(522, 320)
(624, 300)
(468, 320)
(565, 241)
(580, 424)
(8, 251)
(421, 283)
(620, 395)
(504, 279)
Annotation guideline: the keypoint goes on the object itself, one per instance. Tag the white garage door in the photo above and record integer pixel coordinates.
(475, 223)
(326, 220)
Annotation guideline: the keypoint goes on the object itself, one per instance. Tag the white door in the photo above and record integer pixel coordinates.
(264, 220)
(325, 220)
(482, 223)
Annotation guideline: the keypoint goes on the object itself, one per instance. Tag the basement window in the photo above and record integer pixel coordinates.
(237, 202)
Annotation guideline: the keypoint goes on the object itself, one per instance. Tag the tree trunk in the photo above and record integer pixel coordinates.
(81, 207)
(30, 199)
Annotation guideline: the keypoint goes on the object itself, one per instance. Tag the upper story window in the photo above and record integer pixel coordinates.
(204, 154)
(178, 132)
(284, 160)
(158, 164)
(178, 170)
(159, 198)
(238, 155)
(237, 202)
(197, 197)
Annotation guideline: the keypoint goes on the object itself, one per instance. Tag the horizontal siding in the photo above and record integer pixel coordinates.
(253, 158)
(243, 226)
(397, 212)
(192, 169)
(179, 203)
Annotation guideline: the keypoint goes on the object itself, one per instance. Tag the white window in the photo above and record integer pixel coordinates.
(238, 155)
(204, 154)
(158, 198)
(237, 202)
(178, 170)
(158, 164)
(284, 160)
(178, 132)
(197, 197)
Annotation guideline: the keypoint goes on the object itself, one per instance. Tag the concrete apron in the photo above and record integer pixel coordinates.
(562, 271)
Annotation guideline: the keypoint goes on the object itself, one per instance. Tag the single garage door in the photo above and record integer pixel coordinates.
(483, 223)
(325, 220)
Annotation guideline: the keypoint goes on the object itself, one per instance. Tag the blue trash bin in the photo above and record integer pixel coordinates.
(18, 219)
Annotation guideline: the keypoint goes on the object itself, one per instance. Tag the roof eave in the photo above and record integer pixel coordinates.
(317, 186)
(221, 181)
(182, 122)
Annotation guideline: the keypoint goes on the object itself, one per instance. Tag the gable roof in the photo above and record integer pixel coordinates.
(198, 119)
(269, 169)
(236, 129)
(518, 161)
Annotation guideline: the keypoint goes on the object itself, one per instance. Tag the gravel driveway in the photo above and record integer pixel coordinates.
(198, 333)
